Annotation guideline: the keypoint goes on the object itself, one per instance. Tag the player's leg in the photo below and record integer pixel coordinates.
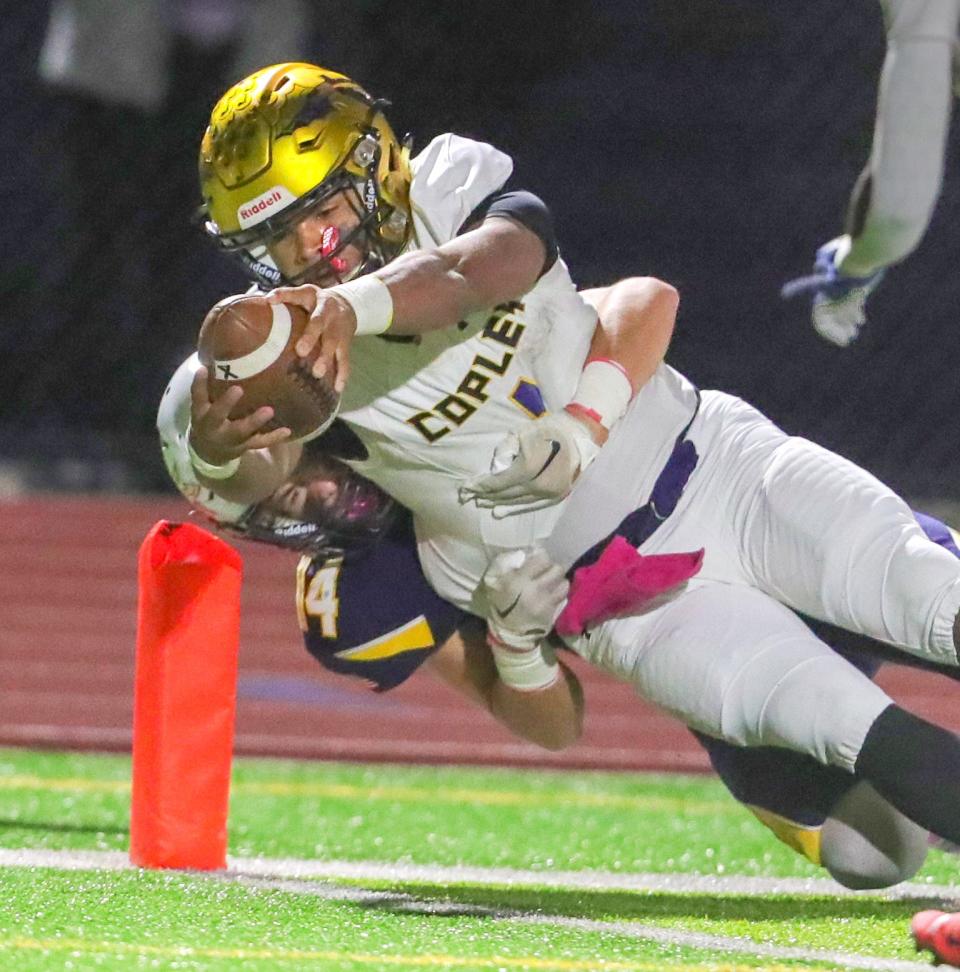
(865, 842)
(736, 664)
(828, 815)
(732, 662)
(904, 753)
(821, 534)
(809, 527)
(834, 820)
(916, 766)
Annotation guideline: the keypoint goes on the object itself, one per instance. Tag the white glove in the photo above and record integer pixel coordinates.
(839, 301)
(535, 467)
(524, 591)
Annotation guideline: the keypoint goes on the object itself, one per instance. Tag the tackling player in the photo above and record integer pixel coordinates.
(894, 198)
(691, 526)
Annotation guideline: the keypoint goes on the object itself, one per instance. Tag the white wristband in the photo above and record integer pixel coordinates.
(371, 302)
(524, 669)
(604, 391)
(208, 469)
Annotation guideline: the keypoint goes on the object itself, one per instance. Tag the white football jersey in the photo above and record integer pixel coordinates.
(431, 411)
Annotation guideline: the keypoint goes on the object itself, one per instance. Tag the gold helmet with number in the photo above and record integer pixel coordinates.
(287, 137)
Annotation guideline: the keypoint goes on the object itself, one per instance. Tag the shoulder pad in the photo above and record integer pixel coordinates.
(451, 177)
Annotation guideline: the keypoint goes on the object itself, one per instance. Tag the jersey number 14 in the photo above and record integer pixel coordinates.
(317, 597)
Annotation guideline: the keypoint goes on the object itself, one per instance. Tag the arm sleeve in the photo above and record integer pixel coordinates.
(528, 210)
(894, 197)
(375, 618)
(451, 177)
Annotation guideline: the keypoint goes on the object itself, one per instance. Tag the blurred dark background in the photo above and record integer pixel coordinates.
(710, 142)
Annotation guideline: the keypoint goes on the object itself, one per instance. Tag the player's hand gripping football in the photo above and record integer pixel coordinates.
(328, 333)
(218, 439)
(535, 467)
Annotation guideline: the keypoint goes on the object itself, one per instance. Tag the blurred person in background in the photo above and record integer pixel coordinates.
(128, 83)
(894, 198)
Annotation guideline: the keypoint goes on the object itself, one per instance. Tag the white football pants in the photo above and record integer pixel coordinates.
(785, 524)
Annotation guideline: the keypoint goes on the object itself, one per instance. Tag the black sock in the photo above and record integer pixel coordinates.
(916, 766)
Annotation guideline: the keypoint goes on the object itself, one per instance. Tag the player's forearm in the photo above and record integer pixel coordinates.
(637, 317)
(437, 288)
(894, 198)
(550, 717)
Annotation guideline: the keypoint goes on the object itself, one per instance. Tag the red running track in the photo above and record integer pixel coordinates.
(67, 637)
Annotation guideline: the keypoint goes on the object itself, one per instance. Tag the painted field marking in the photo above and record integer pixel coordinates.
(55, 785)
(290, 868)
(287, 875)
(459, 796)
(86, 946)
(403, 794)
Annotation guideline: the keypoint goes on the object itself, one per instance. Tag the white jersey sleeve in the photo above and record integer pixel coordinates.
(451, 177)
(173, 425)
(894, 198)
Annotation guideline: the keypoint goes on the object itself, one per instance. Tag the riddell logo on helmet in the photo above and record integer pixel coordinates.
(264, 206)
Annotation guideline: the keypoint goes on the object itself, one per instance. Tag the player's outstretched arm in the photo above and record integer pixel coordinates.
(237, 459)
(894, 198)
(418, 292)
(498, 261)
(515, 673)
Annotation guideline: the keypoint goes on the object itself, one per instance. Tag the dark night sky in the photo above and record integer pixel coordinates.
(710, 143)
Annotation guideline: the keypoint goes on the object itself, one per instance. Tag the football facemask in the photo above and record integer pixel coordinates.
(325, 509)
(284, 140)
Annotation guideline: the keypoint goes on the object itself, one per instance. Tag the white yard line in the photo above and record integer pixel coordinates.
(299, 868)
(298, 876)
(409, 904)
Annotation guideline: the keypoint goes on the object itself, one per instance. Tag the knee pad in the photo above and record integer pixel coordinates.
(867, 843)
(921, 597)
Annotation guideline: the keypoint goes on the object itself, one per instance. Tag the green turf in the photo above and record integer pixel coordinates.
(542, 821)
(225, 925)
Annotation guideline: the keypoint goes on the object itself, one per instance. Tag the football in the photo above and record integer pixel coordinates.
(247, 341)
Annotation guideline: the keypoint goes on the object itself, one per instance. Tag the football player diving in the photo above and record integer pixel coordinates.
(504, 410)
(359, 554)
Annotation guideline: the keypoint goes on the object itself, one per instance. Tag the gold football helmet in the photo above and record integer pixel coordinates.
(287, 137)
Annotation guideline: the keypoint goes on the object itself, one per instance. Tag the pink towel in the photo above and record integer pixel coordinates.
(620, 582)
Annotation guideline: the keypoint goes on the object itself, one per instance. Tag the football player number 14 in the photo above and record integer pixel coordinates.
(317, 597)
